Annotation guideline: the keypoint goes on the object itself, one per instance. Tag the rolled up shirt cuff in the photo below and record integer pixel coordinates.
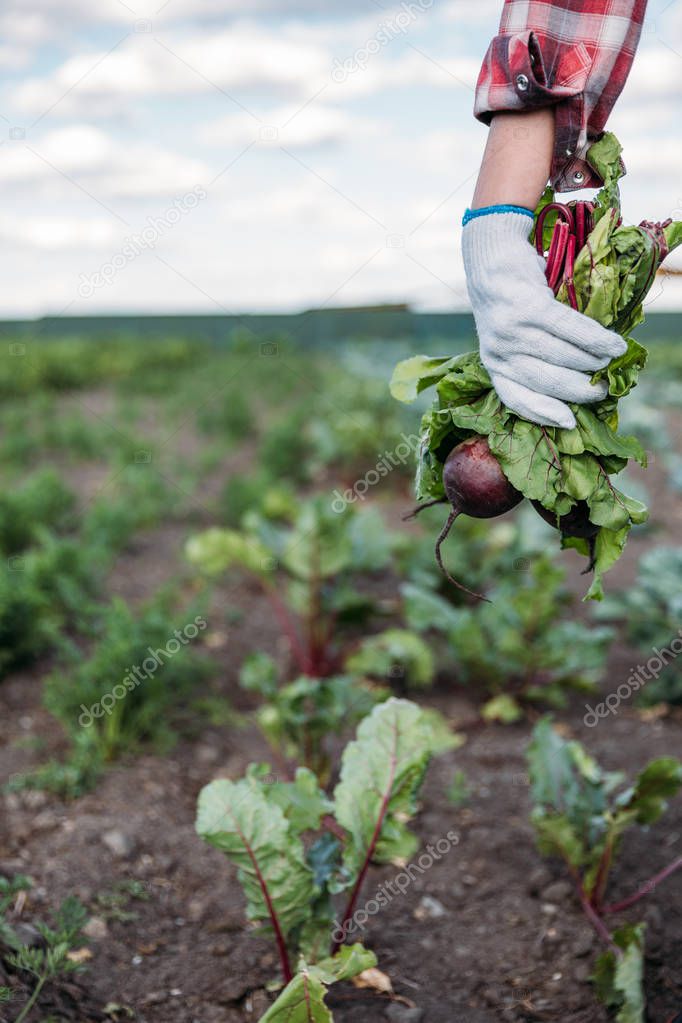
(517, 75)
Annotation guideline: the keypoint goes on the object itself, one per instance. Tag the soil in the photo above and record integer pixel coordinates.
(490, 932)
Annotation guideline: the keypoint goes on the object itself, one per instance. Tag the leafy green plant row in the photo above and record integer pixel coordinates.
(71, 364)
(135, 684)
(318, 569)
(581, 813)
(54, 556)
(303, 855)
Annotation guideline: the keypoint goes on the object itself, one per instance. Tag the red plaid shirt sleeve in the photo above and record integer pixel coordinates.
(570, 54)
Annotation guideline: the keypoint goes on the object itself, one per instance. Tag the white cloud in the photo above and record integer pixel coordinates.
(98, 162)
(245, 57)
(291, 126)
(656, 73)
(463, 11)
(659, 159)
(52, 234)
(397, 138)
(112, 11)
(408, 70)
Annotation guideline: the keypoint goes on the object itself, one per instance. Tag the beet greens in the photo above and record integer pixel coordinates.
(604, 268)
(260, 823)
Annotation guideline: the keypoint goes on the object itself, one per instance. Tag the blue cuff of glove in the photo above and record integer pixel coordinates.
(486, 211)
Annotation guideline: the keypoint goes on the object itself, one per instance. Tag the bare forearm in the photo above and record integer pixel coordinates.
(517, 159)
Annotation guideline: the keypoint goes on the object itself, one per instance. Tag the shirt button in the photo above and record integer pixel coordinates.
(578, 177)
(569, 152)
(522, 83)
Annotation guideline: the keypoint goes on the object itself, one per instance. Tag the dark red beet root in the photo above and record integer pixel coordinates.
(474, 482)
(476, 486)
(574, 523)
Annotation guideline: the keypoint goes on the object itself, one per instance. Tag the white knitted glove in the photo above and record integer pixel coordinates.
(539, 352)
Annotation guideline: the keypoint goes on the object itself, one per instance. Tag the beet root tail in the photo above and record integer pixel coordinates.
(445, 532)
(593, 557)
(422, 507)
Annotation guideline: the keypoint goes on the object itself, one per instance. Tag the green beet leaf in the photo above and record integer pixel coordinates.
(502, 708)
(425, 610)
(259, 674)
(302, 801)
(252, 830)
(381, 773)
(619, 980)
(659, 781)
(395, 653)
(571, 797)
(412, 376)
(302, 1001)
(216, 550)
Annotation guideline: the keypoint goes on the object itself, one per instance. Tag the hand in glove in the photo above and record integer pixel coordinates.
(540, 353)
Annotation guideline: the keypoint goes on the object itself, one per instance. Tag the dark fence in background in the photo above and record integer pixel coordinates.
(323, 328)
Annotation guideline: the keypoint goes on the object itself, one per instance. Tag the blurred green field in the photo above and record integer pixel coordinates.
(253, 476)
(124, 432)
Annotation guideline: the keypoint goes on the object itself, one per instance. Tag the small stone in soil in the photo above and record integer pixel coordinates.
(398, 1013)
(583, 946)
(207, 754)
(429, 909)
(154, 998)
(119, 843)
(96, 929)
(257, 1004)
(196, 909)
(538, 880)
(557, 892)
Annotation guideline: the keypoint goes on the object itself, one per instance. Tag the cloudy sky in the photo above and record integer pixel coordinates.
(188, 156)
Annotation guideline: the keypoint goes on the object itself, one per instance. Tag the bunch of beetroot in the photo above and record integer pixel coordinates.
(482, 458)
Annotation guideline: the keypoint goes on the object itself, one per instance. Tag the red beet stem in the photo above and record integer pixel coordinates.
(557, 255)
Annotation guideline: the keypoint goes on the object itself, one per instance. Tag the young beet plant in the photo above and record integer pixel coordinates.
(295, 848)
(296, 719)
(521, 649)
(580, 814)
(315, 566)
